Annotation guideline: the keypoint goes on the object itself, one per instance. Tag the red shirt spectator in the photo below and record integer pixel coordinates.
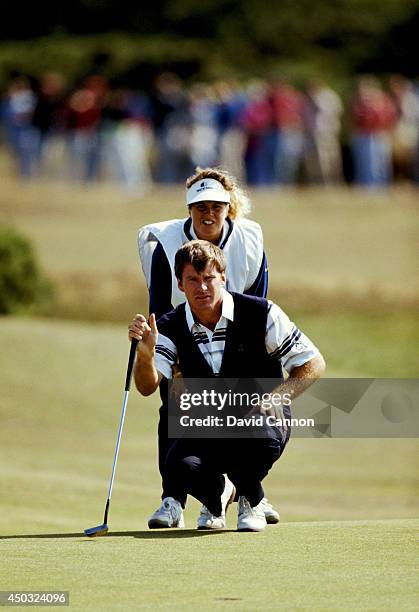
(287, 106)
(372, 109)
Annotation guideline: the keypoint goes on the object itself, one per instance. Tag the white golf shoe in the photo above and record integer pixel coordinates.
(271, 515)
(250, 519)
(170, 514)
(206, 520)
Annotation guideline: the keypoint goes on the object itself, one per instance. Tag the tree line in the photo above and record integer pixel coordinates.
(333, 38)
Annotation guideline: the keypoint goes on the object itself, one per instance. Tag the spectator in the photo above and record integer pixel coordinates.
(287, 108)
(406, 129)
(84, 116)
(172, 125)
(373, 115)
(204, 135)
(231, 144)
(125, 137)
(263, 134)
(322, 117)
(49, 120)
(256, 120)
(18, 108)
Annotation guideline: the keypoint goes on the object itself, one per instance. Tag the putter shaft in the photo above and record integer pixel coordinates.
(103, 529)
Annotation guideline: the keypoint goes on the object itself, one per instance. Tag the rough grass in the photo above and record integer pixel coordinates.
(334, 250)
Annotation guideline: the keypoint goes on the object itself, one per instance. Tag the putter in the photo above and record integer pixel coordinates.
(103, 529)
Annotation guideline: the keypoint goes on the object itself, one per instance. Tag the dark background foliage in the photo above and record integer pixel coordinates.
(132, 41)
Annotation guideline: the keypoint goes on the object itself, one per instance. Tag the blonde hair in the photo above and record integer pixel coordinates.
(240, 205)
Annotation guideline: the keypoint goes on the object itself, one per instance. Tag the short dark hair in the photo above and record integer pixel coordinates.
(199, 253)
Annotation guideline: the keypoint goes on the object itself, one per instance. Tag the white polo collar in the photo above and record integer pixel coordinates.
(227, 310)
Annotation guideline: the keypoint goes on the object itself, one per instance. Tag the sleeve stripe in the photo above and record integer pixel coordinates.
(289, 338)
(285, 347)
(165, 352)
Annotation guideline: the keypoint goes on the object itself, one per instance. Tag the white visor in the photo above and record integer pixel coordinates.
(209, 190)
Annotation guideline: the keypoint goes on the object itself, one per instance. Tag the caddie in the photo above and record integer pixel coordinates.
(218, 208)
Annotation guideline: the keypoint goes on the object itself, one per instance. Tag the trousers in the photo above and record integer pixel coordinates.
(197, 467)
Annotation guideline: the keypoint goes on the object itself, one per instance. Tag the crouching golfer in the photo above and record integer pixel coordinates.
(217, 333)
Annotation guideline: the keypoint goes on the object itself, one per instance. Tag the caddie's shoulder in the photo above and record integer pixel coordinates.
(153, 231)
(248, 224)
(252, 238)
(250, 229)
(166, 233)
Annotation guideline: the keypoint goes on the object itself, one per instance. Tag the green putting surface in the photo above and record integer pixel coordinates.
(345, 540)
(353, 565)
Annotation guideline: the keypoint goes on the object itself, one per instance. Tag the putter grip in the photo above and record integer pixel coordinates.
(131, 360)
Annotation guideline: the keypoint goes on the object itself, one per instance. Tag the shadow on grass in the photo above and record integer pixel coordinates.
(155, 534)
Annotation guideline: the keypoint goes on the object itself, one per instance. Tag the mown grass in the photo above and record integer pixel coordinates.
(345, 540)
(366, 565)
(342, 263)
(62, 386)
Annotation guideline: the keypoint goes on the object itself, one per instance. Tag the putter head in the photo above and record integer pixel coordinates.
(95, 532)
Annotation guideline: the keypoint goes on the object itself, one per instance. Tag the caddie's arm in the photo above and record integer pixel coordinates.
(146, 376)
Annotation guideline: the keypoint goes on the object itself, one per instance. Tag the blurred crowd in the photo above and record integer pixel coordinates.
(265, 133)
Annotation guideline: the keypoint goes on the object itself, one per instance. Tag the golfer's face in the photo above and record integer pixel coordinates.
(202, 289)
(208, 220)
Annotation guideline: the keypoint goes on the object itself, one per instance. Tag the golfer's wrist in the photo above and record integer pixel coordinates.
(146, 359)
(144, 351)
